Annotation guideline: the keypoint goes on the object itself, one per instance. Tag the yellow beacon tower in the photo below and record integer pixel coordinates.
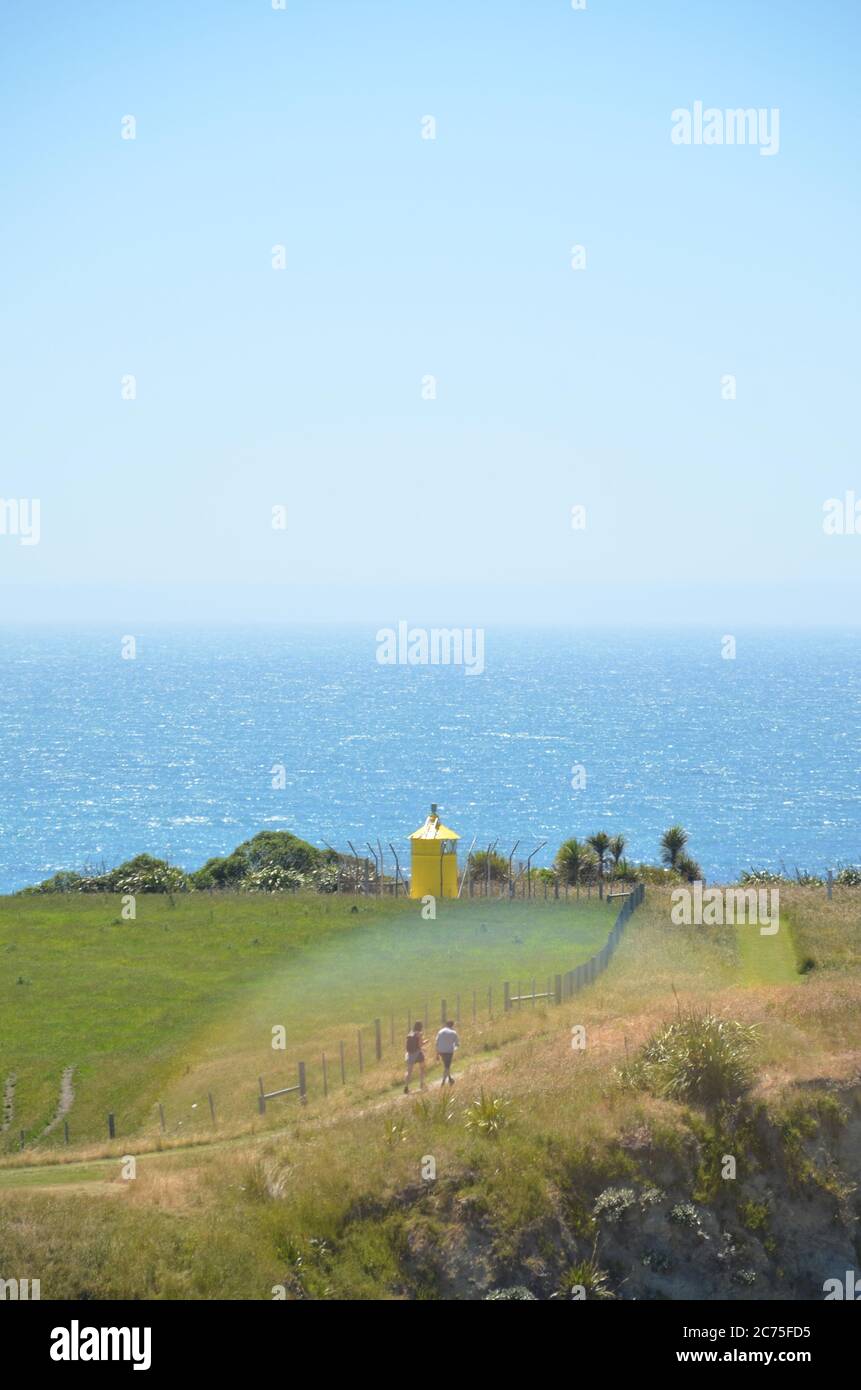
(434, 859)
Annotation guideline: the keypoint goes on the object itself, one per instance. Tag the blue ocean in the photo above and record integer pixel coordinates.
(173, 752)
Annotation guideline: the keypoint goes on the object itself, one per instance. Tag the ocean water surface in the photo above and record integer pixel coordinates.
(173, 752)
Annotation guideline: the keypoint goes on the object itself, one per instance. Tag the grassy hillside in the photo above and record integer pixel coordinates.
(553, 1169)
(182, 1001)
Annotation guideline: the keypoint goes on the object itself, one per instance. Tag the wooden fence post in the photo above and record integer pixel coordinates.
(211, 1107)
(261, 1099)
(161, 1116)
(325, 1077)
(66, 1130)
(112, 1129)
(303, 1089)
(359, 1041)
(507, 997)
(343, 1067)
(558, 989)
(378, 1038)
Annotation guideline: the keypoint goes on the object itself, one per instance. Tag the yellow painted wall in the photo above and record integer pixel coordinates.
(428, 861)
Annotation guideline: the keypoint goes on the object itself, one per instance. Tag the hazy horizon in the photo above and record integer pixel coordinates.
(731, 607)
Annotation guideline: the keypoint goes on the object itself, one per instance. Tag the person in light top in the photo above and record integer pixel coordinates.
(446, 1043)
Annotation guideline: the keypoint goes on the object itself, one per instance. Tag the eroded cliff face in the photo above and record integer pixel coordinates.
(673, 1227)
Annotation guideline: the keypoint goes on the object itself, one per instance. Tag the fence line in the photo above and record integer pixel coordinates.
(366, 875)
(559, 988)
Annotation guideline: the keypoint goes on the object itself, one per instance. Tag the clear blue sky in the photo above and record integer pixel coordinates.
(407, 257)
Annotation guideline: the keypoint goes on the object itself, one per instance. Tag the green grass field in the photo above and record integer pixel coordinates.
(183, 1000)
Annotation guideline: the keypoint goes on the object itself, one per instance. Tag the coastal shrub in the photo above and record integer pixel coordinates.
(588, 1276)
(273, 861)
(438, 1109)
(753, 1215)
(625, 871)
(486, 1114)
(613, 1202)
(762, 877)
(699, 1057)
(324, 878)
(849, 877)
(658, 1261)
(650, 1196)
(575, 862)
(753, 877)
(688, 869)
(270, 849)
(685, 1214)
(272, 878)
(547, 876)
(143, 874)
(654, 874)
(482, 862)
(517, 1292)
(673, 842)
(62, 882)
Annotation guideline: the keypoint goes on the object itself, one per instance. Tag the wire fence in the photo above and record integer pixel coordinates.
(372, 870)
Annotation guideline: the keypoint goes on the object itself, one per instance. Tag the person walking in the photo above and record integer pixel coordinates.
(447, 1042)
(415, 1055)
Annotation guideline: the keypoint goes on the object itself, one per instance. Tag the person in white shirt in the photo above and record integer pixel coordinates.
(446, 1042)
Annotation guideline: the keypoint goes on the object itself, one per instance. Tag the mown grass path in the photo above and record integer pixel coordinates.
(767, 960)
